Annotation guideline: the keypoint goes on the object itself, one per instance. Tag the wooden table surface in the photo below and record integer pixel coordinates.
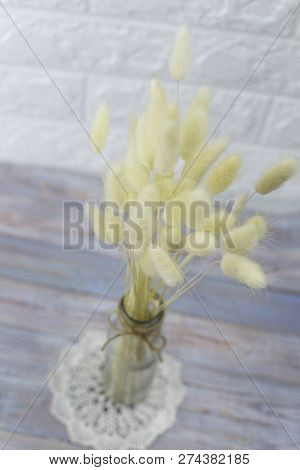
(242, 371)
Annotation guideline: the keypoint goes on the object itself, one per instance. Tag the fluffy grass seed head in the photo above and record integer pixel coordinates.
(193, 131)
(201, 101)
(149, 197)
(167, 151)
(260, 223)
(136, 231)
(242, 239)
(166, 187)
(197, 206)
(275, 176)
(183, 185)
(219, 222)
(240, 203)
(115, 185)
(165, 266)
(172, 237)
(149, 220)
(106, 226)
(131, 153)
(144, 145)
(136, 174)
(149, 123)
(242, 269)
(180, 54)
(149, 193)
(156, 109)
(157, 100)
(99, 129)
(174, 214)
(222, 175)
(206, 157)
(200, 243)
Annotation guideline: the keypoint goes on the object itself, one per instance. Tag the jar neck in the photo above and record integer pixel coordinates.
(140, 326)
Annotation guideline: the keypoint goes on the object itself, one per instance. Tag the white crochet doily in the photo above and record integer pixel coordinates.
(92, 420)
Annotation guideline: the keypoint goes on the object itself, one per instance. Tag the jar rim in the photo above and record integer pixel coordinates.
(147, 323)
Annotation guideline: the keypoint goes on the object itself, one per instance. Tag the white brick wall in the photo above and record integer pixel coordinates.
(108, 49)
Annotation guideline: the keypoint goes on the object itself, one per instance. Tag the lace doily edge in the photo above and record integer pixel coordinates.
(80, 434)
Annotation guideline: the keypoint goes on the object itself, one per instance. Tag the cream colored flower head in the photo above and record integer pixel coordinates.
(174, 171)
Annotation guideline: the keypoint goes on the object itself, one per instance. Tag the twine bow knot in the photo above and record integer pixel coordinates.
(129, 326)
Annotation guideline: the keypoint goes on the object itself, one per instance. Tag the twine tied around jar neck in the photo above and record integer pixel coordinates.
(141, 329)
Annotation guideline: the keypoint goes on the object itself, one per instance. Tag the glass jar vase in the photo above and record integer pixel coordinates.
(132, 353)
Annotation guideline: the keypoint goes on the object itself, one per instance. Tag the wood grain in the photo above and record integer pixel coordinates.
(47, 294)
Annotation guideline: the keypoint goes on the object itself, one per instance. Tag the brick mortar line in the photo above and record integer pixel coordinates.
(28, 68)
(167, 26)
(223, 29)
(142, 80)
(10, 116)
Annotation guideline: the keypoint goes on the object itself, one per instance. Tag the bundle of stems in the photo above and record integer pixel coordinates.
(164, 192)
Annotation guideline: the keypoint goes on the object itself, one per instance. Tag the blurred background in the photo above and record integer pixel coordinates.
(59, 59)
(107, 50)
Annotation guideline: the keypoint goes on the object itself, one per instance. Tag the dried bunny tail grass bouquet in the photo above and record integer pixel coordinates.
(163, 215)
